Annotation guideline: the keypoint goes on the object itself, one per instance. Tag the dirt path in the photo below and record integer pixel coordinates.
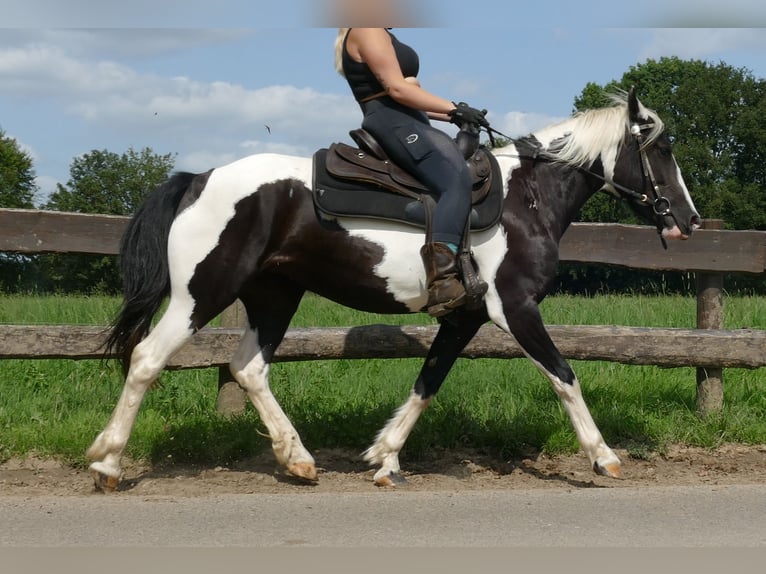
(342, 471)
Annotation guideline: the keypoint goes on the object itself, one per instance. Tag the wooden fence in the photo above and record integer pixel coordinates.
(709, 255)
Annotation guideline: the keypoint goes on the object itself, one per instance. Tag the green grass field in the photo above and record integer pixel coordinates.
(56, 408)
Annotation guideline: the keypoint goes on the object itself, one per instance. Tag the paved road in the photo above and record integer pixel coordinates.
(725, 516)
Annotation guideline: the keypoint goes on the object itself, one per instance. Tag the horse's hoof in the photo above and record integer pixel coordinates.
(304, 471)
(104, 482)
(611, 469)
(392, 479)
(104, 478)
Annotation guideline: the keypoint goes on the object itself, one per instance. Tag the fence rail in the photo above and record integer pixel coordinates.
(637, 246)
(214, 346)
(710, 254)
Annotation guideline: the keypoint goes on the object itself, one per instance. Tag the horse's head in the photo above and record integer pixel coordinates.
(647, 175)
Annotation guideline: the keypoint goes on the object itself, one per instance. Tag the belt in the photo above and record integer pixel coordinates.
(373, 97)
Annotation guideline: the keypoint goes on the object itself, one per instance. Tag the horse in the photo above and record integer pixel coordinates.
(250, 231)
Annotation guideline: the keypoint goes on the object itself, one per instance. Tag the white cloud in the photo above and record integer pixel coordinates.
(46, 186)
(516, 124)
(120, 42)
(24, 147)
(700, 43)
(703, 13)
(202, 160)
(151, 13)
(259, 146)
(116, 97)
(43, 69)
(220, 153)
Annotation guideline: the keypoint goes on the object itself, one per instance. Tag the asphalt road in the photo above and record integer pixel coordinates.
(685, 517)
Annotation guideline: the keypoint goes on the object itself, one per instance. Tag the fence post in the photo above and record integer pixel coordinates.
(231, 399)
(710, 316)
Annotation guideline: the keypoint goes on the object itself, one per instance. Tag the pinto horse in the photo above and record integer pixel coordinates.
(250, 231)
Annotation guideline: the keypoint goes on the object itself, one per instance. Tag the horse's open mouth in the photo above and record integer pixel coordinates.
(675, 233)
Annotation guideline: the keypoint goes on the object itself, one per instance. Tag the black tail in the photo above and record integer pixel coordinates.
(144, 266)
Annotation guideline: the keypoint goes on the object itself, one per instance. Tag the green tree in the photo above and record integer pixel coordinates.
(17, 190)
(715, 113)
(17, 175)
(108, 183)
(105, 182)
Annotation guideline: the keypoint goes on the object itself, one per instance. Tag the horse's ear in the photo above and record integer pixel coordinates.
(633, 104)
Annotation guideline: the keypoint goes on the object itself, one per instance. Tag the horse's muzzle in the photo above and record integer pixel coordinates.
(673, 231)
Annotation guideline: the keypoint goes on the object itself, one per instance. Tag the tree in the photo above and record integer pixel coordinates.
(108, 183)
(17, 176)
(17, 190)
(104, 182)
(715, 113)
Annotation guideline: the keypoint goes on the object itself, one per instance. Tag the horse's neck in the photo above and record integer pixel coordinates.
(573, 188)
(557, 191)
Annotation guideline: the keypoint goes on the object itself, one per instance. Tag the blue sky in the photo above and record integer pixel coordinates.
(202, 80)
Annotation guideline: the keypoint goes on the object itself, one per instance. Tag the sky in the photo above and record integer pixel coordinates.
(211, 82)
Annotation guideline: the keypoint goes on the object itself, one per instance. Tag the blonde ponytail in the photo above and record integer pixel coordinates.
(339, 50)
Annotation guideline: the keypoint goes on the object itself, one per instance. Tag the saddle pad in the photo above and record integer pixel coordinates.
(341, 198)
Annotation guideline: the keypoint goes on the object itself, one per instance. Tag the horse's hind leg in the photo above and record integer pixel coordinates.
(147, 361)
(454, 334)
(526, 324)
(270, 306)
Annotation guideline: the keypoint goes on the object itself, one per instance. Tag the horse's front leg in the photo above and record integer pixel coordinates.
(456, 330)
(526, 324)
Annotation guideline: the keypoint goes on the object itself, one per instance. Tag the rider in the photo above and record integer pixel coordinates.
(381, 72)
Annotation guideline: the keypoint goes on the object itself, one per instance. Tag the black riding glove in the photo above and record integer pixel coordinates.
(465, 114)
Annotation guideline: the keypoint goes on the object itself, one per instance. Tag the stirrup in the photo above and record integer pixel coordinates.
(443, 308)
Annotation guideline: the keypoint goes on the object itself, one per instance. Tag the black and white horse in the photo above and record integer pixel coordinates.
(250, 231)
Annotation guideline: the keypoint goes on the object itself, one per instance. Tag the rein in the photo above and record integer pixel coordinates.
(661, 204)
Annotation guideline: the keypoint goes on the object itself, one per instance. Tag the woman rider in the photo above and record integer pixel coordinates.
(381, 72)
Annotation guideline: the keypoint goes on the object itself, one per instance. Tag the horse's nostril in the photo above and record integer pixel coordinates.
(695, 222)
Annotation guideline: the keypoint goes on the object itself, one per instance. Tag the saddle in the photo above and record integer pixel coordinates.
(363, 182)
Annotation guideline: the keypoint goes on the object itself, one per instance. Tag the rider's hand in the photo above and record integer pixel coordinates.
(463, 113)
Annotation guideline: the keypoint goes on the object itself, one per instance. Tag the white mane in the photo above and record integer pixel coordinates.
(587, 135)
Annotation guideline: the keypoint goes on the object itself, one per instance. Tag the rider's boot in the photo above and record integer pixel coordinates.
(445, 290)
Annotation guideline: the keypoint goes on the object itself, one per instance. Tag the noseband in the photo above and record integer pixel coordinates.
(661, 204)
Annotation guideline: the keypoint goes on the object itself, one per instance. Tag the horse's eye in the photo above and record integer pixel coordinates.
(672, 140)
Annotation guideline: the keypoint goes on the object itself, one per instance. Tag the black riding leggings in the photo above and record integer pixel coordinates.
(431, 156)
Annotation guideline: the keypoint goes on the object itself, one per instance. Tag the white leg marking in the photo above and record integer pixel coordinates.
(252, 373)
(603, 460)
(391, 439)
(147, 361)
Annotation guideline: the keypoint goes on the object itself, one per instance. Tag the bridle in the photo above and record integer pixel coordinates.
(660, 204)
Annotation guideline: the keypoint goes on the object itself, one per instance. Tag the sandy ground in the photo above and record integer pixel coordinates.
(342, 471)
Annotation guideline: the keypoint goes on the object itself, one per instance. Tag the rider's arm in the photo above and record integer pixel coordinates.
(431, 115)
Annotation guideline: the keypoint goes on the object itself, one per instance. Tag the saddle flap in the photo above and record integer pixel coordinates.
(343, 159)
(347, 162)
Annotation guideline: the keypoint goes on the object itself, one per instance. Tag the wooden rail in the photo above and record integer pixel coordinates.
(711, 253)
(214, 346)
(637, 246)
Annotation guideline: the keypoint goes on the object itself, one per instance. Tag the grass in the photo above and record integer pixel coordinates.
(56, 407)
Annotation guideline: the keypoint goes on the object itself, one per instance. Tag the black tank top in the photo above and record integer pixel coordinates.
(363, 82)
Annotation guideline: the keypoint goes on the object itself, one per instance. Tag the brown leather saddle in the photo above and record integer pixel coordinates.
(363, 182)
